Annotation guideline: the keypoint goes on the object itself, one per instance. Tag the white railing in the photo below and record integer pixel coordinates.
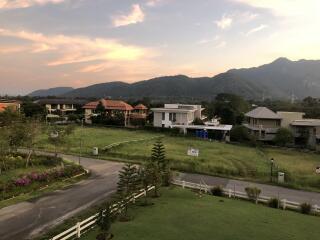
(284, 204)
(81, 227)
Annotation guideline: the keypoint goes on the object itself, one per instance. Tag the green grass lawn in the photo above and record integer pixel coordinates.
(215, 158)
(182, 214)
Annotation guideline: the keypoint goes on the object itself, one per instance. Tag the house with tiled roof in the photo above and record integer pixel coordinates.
(111, 107)
(12, 104)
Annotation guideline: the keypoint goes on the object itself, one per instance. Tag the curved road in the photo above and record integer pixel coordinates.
(27, 219)
(30, 218)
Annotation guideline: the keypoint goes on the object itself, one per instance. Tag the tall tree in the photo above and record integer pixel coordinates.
(158, 157)
(127, 185)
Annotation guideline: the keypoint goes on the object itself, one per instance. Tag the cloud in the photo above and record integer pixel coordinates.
(208, 40)
(12, 4)
(135, 16)
(224, 23)
(257, 29)
(79, 49)
(153, 3)
(285, 7)
(221, 44)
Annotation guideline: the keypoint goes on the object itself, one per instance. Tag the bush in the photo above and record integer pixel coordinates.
(305, 208)
(253, 193)
(274, 203)
(240, 134)
(217, 191)
(283, 137)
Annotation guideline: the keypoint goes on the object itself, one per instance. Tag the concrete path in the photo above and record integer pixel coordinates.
(267, 190)
(30, 218)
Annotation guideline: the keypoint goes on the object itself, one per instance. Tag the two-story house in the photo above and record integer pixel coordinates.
(307, 132)
(176, 114)
(58, 107)
(112, 106)
(263, 123)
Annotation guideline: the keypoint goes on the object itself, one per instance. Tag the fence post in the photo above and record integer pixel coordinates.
(78, 230)
(229, 193)
(183, 184)
(134, 200)
(284, 204)
(315, 209)
(145, 193)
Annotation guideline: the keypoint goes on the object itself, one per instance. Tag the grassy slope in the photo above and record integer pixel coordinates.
(215, 158)
(181, 214)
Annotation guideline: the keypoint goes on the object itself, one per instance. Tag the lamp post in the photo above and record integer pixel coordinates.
(271, 169)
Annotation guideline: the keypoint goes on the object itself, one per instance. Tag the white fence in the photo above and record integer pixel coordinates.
(81, 227)
(284, 204)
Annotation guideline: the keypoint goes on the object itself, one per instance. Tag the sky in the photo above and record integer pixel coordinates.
(76, 43)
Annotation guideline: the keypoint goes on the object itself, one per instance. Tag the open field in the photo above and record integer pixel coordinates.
(215, 158)
(182, 214)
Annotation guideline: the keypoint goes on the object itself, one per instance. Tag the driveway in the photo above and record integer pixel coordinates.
(266, 190)
(30, 218)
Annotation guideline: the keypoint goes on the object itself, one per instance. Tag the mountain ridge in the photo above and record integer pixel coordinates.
(279, 79)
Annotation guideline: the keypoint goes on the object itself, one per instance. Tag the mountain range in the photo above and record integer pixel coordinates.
(51, 92)
(280, 79)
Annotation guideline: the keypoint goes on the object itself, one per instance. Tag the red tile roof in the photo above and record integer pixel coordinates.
(140, 107)
(2, 107)
(110, 105)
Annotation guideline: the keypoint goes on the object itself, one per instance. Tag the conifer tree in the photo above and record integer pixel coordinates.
(127, 185)
(158, 157)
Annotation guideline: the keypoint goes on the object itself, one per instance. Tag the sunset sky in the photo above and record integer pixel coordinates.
(49, 43)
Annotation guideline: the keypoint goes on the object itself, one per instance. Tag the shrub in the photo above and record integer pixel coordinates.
(50, 161)
(274, 203)
(305, 208)
(240, 134)
(283, 137)
(24, 181)
(217, 191)
(253, 193)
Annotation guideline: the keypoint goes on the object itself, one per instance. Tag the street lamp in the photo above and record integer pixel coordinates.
(271, 169)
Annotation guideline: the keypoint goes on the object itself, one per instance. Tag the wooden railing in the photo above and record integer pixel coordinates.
(283, 203)
(81, 227)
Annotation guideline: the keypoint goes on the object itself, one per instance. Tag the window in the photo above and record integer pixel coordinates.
(172, 117)
(163, 116)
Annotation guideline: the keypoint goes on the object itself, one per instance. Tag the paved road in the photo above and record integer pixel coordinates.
(27, 219)
(267, 190)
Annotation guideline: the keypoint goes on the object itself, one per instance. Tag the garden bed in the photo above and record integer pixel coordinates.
(16, 179)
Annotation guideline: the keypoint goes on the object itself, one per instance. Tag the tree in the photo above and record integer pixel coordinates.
(31, 109)
(127, 185)
(146, 179)
(198, 121)
(104, 221)
(155, 176)
(158, 157)
(283, 137)
(34, 128)
(230, 108)
(4, 148)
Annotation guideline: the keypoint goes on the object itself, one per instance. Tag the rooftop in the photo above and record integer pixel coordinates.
(306, 122)
(109, 105)
(262, 113)
(140, 107)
